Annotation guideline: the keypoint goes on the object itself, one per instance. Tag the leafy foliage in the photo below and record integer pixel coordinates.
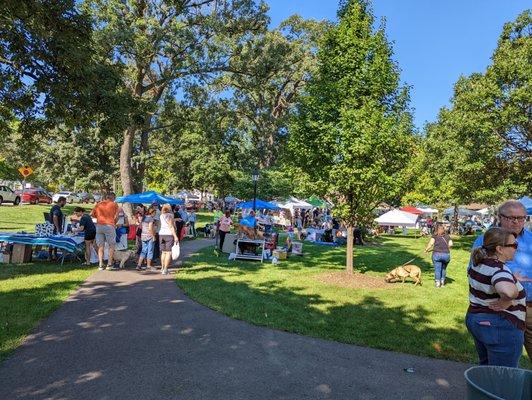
(480, 148)
(353, 132)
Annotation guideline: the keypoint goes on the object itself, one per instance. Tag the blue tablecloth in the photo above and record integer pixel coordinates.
(68, 243)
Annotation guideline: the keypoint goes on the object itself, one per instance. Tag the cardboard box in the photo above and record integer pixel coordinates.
(5, 253)
(280, 254)
(21, 253)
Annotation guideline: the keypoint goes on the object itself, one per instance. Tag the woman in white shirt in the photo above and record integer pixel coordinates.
(167, 237)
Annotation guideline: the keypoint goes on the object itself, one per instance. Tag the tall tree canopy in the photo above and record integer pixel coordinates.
(480, 148)
(352, 132)
(49, 73)
(164, 46)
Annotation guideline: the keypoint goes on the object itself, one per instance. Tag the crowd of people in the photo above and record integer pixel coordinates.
(106, 228)
(499, 316)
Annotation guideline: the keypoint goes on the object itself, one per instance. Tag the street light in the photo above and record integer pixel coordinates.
(255, 178)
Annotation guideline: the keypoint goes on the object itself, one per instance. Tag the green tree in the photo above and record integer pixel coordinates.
(480, 147)
(49, 72)
(265, 78)
(353, 132)
(164, 46)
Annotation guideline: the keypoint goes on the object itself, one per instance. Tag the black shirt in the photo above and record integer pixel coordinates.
(441, 244)
(87, 224)
(56, 210)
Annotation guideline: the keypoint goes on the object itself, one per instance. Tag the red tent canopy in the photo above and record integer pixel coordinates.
(411, 210)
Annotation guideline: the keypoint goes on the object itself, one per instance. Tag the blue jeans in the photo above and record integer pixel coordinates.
(440, 261)
(147, 249)
(499, 343)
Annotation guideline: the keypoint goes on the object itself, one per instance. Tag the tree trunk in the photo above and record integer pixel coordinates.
(125, 167)
(350, 249)
(455, 220)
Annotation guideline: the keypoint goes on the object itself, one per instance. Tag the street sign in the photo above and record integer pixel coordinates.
(25, 171)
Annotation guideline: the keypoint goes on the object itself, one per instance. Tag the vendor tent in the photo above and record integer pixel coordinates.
(411, 210)
(462, 212)
(231, 199)
(148, 198)
(293, 204)
(317, 202)
(259, 205)
(397, 218)
(187, 196)
(527, 202)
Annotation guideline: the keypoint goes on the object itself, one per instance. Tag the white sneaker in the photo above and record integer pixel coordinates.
(101, 267)
(437, 283)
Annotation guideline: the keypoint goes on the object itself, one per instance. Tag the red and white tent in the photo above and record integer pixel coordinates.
(412, 210)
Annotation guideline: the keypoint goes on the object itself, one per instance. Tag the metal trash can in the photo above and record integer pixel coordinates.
(498, 383)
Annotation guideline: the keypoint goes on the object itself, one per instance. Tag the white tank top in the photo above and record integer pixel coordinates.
(166, 225)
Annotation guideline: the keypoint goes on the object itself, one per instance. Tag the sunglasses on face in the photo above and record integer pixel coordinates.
(514, 245)
(519, 218)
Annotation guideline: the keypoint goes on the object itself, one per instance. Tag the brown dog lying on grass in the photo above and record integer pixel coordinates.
(403, 272)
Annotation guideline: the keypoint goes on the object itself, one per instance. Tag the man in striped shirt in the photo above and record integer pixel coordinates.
(512, 216)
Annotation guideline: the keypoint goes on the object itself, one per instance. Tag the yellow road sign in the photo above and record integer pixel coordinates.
(25, 171)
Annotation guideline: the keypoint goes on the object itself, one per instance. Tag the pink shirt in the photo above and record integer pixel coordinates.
(225, 224)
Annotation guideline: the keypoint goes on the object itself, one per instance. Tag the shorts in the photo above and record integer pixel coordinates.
(105, 233)
(147, 249)
(166, 242)
(90, 235)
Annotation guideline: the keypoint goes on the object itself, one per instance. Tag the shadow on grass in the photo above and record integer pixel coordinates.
(316, 257)
(22, 309)
(369, 322)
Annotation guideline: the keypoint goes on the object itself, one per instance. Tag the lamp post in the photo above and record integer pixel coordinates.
(255, 178)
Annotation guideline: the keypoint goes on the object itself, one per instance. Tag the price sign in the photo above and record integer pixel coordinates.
(25, 171)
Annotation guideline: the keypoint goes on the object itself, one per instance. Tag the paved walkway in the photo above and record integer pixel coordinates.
(129, 335)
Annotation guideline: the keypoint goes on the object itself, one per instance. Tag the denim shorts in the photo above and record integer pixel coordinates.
(147, 249)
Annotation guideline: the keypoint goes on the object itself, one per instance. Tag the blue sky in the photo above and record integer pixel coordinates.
(434, 41)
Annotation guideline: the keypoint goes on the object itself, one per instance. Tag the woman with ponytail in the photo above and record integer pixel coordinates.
(497, 301)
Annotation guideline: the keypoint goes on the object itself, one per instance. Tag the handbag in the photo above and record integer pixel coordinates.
(176, 250)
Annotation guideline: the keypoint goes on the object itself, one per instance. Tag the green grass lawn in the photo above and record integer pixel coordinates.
(25, 216)
(418, 320)
(31, 292)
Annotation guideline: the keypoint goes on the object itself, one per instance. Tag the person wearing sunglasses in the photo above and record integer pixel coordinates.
(512, 217)
(497, 301)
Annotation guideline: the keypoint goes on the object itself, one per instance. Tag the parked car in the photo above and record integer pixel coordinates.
(71, 197)
(85, 197)
(36, 196)
(8, 196)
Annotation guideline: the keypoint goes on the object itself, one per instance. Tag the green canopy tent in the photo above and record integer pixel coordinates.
(317, 202)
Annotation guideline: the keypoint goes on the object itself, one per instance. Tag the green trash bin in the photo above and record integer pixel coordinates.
(498, 383)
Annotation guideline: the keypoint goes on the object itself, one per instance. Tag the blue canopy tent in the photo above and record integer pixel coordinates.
(148, 198)
(259, 205)
(527, 202)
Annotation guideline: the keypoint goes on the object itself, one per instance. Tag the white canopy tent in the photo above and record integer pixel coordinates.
(293, 203)
(397, 218)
